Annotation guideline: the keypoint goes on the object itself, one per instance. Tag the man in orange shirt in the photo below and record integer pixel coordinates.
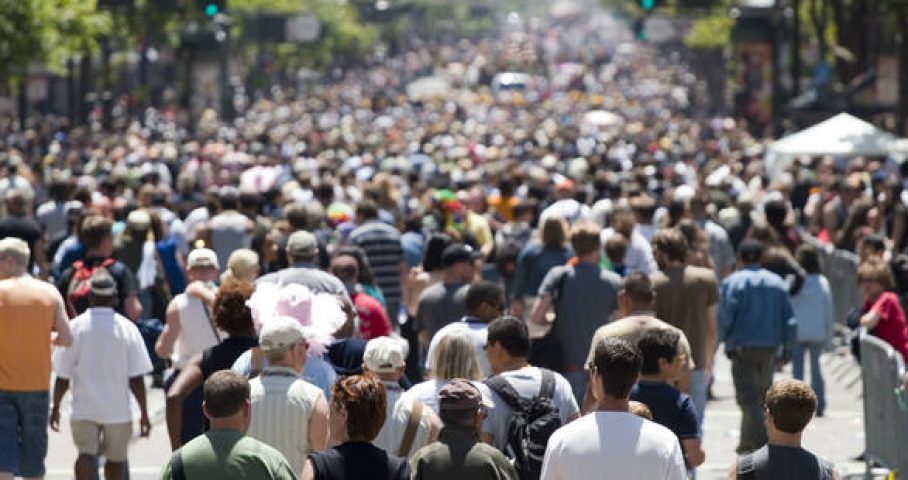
(30, 310)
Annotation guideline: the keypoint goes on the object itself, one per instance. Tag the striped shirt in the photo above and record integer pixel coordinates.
(282, 405)
(381, 242)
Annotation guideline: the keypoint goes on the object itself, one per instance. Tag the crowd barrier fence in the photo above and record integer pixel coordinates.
(885, 415)
(840, 267)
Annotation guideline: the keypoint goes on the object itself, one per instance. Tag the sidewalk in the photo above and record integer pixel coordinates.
(837, 437)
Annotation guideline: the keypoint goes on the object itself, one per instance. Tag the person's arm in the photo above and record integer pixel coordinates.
(694, 455)
(137, 386)
(308, 471)
(435, 424)
(62, 335)
(40, 258)
(710, 339)
(318, 425)
(133, 307)
(199, 290)
(870, 320)
(165, 343)
(537, 315)
(898, 229)
(185, 383)
(61, 385)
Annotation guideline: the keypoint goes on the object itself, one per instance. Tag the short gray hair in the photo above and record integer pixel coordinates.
(16, 248)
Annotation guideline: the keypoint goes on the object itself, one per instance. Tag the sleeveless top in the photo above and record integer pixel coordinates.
(776, 462)
(196, 332)
(28, 309)
(222, 355)
(358, 461)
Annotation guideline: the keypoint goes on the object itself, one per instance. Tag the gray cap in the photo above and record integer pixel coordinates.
(102, 284)
(302, 244)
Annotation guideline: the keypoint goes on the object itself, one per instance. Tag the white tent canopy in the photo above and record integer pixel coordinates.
(841, 135)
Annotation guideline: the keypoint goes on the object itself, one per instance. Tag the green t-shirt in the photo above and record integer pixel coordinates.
(231, 454)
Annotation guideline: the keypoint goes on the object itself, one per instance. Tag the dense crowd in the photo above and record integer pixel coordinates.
(481, 281)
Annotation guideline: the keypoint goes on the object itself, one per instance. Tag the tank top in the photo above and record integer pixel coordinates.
(358, 460)
(27, 312)
(776, 462)
(197, 331)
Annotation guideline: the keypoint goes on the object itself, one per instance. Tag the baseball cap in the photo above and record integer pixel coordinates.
(458, 253)
(302, 243)
(460, 394)
(102, 283)
(384, 355)
(202, 257)
(280, 333)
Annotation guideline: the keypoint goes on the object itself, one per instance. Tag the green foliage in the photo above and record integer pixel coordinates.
(343, 33)
(711, 31)
(48, 32)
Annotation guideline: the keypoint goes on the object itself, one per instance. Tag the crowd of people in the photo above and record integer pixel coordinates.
(350, 282)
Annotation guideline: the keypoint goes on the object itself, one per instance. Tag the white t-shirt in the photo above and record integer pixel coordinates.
(613, 445)
(396, 420)
(527, 382)
(473, 328)
(107, 351)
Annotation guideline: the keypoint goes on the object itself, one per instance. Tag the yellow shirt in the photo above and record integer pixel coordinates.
(28, 308)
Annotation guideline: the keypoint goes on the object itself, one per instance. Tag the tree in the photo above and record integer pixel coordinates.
(343, 33)
(47, 32)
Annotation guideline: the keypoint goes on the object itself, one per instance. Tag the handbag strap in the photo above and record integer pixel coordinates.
(177, 472)
(410, 432)
(214, 329)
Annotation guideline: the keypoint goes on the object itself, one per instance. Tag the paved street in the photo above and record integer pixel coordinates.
(839, 436)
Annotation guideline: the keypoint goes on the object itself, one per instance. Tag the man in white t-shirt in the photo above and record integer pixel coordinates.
(611, 442)
(106, 355)
(409, 425)
(507, 348)
(484, 303)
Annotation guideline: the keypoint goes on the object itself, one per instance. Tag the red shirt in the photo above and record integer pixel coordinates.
(373, 321)
(891, 327)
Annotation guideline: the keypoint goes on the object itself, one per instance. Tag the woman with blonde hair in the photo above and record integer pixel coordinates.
(536, 259)
(243, 265)
(454, 357)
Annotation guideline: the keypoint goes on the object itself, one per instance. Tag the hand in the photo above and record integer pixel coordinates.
(196, 289)
(55, 419)
(144, 426)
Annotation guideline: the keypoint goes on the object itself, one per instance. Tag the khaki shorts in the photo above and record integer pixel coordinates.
(108, 439)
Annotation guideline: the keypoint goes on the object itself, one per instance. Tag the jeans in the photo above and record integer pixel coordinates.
(23, 432)
(816, 373)
(751, 369)
(698, 389)
(193, 420)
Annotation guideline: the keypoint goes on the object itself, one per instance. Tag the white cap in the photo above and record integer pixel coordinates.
(280, 333)
(384, 355)
(202, 257)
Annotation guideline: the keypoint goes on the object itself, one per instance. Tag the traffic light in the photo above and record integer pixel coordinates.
(212, 7)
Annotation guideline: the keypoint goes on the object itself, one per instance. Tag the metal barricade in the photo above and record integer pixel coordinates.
(885, 417)
(840, 267)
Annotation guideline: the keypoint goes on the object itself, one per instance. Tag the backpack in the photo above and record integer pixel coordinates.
(77, 300)
(532, 423)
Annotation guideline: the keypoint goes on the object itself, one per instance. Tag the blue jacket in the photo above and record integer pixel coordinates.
(755, 310)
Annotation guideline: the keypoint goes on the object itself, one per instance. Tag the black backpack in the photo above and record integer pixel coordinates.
(531, 425)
